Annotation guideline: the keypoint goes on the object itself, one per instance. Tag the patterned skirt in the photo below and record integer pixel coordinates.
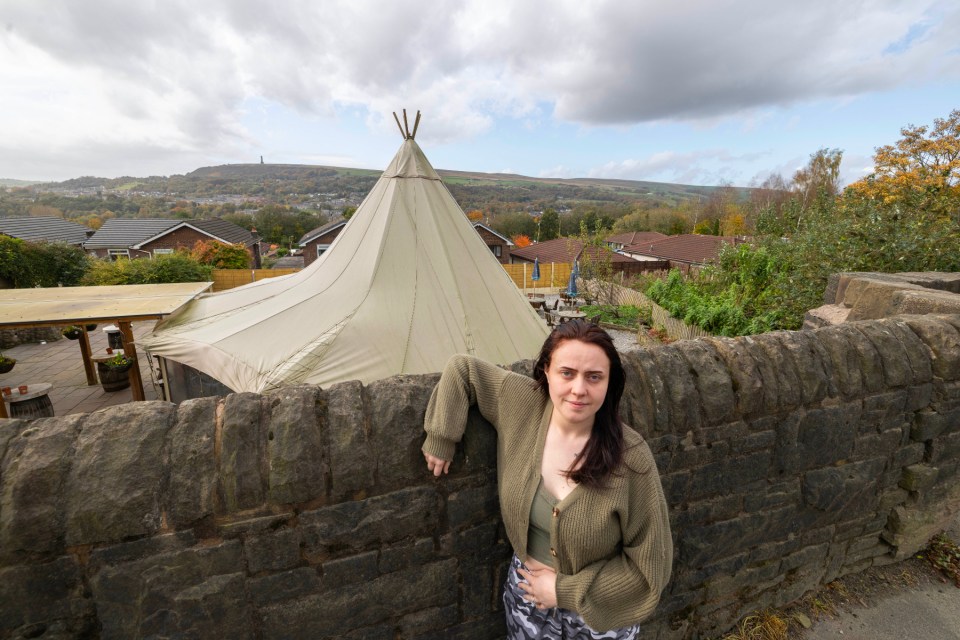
(526, 622)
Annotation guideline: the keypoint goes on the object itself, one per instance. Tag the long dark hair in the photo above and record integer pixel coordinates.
(604, 449)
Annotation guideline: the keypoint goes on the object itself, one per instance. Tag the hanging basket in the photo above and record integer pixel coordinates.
(72, 333)
(7, 366)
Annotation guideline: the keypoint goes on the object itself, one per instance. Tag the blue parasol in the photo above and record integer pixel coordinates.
(572, 287)
(536, 270)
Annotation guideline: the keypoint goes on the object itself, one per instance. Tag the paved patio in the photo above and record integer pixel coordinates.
(60, 364)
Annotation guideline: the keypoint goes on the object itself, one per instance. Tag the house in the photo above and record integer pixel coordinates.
(144, 238)
(499, 245)
(621, 240)
(45, 229)
(315, 242)
(568, 250)
(682, 251)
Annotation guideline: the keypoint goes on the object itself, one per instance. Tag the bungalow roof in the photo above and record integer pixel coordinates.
(48, 229)
(689, 248)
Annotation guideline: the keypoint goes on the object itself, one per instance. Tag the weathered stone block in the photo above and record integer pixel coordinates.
(39, 594)
(216, 607)
(277, 587)
(386, 518)
(844, 359)
(877, 445)
(728, 475)
(919, 396)
(918, 477)
(813, 365)
(338, 611)
(31, 488)
(840, 490)
(895, 362)
(272, 551)
(357, 568)
(908, 455)
(398, 557)
(113, 490)
(817, 437)
(712, 379)
(943, 339)
(346, 426)
(778, 370)
(471, 505)
(705, 511)
(745, 377)
(434, 618)
(135, 597)
(927, 425)
(295, 447)
(917, 353)
(647, 407)
(680, 391)
(945, 448)
(192, 488)
(399, 404)
(242, 452)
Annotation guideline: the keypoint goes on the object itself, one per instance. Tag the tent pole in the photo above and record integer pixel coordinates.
(398, 125)
(406, 125)
(416, 124)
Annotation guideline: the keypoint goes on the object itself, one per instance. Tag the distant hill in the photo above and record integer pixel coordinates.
(10, 182)
(315, 185)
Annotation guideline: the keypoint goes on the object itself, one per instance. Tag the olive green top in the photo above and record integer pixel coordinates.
(541, 516)
(611, 546)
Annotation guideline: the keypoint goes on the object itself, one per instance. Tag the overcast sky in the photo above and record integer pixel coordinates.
(690, 92)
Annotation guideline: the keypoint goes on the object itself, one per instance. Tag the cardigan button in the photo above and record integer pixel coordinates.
(556, 512)
(553, 552)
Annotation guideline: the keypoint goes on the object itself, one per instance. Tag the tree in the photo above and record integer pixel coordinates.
(921, 171)
(820, 178)
(220, 255)
(475, 215)
(521, 241)
(549, 225)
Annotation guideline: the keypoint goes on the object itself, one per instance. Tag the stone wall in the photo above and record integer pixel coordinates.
(788, 459)
(10, 338)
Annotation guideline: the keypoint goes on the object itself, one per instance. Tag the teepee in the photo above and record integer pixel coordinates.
(406, 284)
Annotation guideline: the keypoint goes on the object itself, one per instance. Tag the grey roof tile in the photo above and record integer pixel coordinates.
(48, 229)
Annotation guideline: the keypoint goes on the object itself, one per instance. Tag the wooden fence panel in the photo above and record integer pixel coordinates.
(553, 275)
(674, 327)
(224, 279)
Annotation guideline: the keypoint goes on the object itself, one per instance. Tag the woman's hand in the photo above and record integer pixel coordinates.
(436, 465)
(540, 587)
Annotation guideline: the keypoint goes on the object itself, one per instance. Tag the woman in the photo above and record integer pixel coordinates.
(579, 491)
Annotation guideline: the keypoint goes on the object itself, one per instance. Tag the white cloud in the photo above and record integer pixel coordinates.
(173, 79)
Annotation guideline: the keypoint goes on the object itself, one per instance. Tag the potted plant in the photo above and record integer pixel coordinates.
(73, 332)
(6, 364)
(113, 372)
(90, 327)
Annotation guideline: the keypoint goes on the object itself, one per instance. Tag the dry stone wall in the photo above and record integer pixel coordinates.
(788, 459)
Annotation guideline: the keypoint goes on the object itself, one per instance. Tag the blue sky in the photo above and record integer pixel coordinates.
(692, 92)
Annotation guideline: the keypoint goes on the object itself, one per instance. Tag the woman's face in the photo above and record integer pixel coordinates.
(578, 376)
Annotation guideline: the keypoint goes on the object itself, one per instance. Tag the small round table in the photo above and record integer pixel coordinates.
(35, 403)
(565, 316)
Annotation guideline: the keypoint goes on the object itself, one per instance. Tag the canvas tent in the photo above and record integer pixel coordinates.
(405, 285)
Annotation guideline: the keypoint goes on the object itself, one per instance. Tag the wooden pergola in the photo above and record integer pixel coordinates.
(119, 304)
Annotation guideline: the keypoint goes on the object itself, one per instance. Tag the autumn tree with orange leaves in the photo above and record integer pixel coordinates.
(521, 241)
(921, 172)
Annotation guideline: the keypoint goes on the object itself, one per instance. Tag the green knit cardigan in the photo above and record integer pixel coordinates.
(612, 547)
